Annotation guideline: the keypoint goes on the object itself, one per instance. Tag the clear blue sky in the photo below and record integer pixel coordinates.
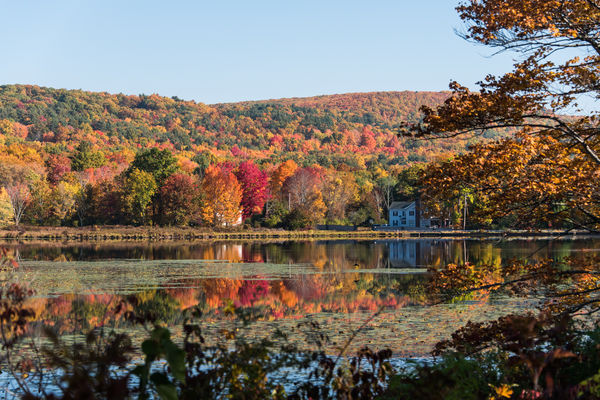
(224, 51)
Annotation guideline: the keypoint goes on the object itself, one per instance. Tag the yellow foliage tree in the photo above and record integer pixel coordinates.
(5, 208)
(339, 190)
(138, 189)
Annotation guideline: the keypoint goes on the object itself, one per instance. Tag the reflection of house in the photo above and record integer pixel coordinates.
(419, 253)
(404, 254)
(229, 252)
(407, 214)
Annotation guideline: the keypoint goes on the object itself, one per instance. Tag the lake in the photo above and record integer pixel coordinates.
(338, 284)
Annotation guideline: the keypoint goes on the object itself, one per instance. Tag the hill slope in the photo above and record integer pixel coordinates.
(379, 108)
(353, 129)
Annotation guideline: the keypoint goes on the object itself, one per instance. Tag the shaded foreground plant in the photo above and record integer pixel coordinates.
(518, 357)
(554, 354)
(106, 363)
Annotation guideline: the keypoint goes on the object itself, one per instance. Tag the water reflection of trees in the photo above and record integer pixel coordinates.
(339, 282)
(293, 298)
(324, 254)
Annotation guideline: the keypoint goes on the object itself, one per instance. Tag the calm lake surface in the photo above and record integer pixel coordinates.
(338, 284)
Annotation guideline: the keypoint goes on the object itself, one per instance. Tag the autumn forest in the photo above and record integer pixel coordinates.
(78, 158)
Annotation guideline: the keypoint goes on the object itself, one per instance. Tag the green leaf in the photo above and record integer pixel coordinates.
(167, 392)
(150, 348)
(229, 309)
(176, 359)
(158, 378)
(140, 370)
(161, 334)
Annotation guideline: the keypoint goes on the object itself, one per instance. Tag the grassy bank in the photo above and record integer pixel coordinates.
(118, 233)
(112, 233)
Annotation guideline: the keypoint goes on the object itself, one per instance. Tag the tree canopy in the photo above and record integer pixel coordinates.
(549, 167)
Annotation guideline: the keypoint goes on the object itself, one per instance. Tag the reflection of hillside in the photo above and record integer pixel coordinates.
(340, 283)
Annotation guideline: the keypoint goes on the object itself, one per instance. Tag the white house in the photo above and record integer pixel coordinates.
(407, 214)
(237, 222)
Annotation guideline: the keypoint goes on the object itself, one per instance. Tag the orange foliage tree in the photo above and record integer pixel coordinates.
(546, 171)
(283, 171)
(17, 181)
(222, 197)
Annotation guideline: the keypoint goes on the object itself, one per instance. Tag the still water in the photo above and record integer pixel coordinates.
(338, 284)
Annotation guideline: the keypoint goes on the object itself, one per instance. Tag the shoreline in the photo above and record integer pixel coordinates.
(148, 233)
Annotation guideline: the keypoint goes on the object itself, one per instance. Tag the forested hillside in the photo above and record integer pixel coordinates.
(350, 128)
(73, 140)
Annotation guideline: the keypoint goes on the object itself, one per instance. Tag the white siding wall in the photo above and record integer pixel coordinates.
(403, 218)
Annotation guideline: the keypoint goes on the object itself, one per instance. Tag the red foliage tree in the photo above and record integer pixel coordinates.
(254, 188)
(367, 140)
(57, 166)
(226, 167)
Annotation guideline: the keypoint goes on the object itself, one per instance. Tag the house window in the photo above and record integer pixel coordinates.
(396, 223)
(395, 213)
(411, 213)
(403, 221)
(403, 213)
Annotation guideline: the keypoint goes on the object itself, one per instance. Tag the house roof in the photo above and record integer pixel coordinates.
(399, 205)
